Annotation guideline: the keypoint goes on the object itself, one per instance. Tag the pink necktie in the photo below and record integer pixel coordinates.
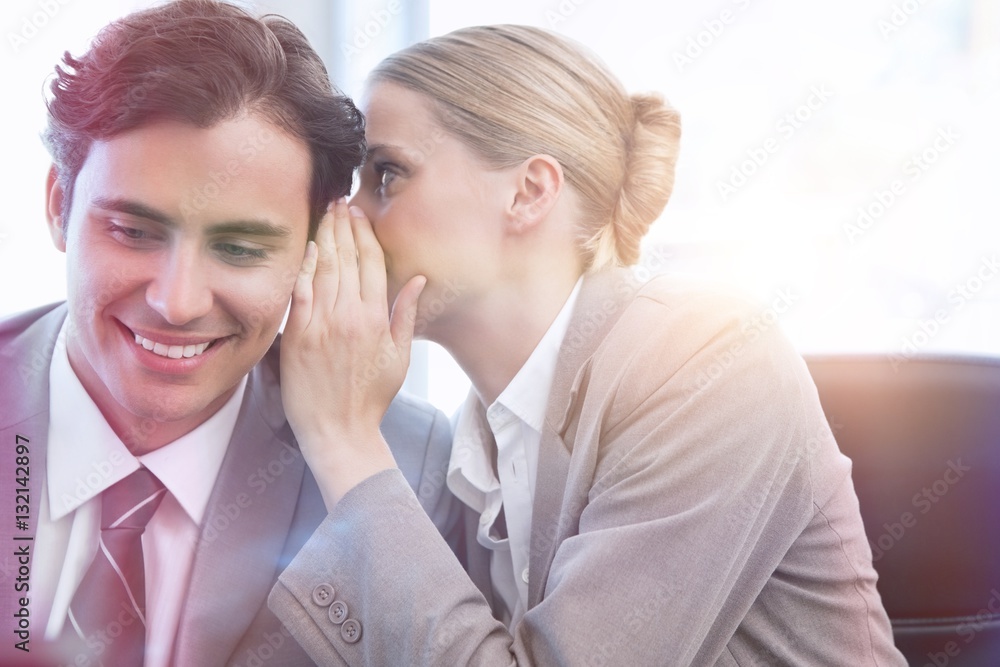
(108, 611)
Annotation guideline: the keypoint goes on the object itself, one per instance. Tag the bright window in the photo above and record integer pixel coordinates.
(840, 157)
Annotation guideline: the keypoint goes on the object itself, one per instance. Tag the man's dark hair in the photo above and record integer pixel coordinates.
(203, 62)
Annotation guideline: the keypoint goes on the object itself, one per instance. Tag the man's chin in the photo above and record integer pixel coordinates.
(153, 423)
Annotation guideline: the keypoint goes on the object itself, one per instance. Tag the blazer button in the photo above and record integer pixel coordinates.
(350, 631)
(338, 612)
(323, 595)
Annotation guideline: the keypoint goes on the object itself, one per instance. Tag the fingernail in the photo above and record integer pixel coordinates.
(357, 212)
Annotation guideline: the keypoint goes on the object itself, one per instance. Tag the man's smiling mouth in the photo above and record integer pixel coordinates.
(172, 351)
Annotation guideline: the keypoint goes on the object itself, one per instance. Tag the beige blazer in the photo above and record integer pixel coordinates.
(252, 530)
(691, 508)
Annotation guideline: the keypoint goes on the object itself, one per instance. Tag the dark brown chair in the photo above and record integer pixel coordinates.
(924, 436)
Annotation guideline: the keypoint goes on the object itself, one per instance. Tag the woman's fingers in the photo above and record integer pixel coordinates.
(300, 313)
(371, 260)
(346, 356)
(326, 281)
(404, 316)
(372, 276)
(346, 255)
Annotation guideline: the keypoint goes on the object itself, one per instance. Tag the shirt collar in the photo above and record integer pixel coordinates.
(85, 456)
(470, 467)
(527, 395)
(470, 470)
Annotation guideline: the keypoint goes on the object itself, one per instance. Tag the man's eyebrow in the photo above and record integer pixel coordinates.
(134, 208)
(249, 227)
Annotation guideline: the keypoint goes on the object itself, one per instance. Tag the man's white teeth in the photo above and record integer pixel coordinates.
(171, 351)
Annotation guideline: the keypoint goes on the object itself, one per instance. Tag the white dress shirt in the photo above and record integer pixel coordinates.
(84, 458)
(514, 421)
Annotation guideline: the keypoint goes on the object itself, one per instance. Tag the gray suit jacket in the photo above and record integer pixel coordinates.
(691, 508)
(264, 506)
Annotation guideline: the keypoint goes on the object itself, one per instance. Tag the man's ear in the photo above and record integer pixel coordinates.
(539, 183)
(53, 209)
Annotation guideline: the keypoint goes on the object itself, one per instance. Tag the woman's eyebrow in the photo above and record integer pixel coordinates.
(375, 148)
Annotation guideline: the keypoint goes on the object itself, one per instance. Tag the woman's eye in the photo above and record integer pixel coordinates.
(384, 176)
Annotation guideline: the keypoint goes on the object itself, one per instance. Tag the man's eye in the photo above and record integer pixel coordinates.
(131, 235)
(239, 253)
(129, 232)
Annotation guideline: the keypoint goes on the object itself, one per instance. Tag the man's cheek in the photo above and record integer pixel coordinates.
(281, 295)
(266, 313)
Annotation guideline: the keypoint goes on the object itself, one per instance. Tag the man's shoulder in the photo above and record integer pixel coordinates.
(27, 342)
(12, 326)
(419, 436)
(409, 408)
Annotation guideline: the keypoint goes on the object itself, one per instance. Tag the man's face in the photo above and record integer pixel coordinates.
(182, 248)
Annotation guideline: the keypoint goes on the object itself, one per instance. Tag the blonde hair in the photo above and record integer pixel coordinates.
(509, 92)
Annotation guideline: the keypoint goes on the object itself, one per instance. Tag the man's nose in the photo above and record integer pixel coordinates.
(180, 291)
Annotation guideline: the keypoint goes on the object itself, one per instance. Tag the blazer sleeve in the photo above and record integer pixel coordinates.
(713, 458)
(380, 559)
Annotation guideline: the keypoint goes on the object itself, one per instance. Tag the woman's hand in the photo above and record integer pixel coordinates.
(343, 357)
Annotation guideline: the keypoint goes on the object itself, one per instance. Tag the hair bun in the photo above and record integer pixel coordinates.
(509, 92)
(649, 173)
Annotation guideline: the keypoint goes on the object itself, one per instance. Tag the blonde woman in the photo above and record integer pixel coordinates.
(647, 473)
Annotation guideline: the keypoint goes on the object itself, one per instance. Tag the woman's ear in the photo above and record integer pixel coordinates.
(53, 209)
(539, 183)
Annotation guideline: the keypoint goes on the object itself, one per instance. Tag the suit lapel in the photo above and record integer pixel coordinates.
(247, 519)
(24, 399)
(245, 526)
(603, 297)
(553, 467)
